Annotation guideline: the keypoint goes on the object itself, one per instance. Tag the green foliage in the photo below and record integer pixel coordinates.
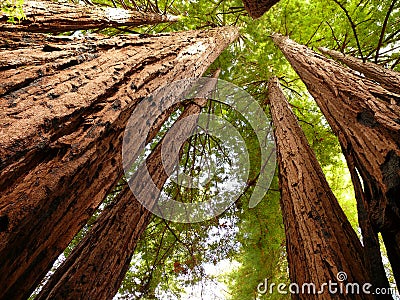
(172, 257)
(262, 252)
(12, 9)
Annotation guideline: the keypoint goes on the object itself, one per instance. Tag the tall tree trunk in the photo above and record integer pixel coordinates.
(10, 40)
(371, 246)
(61, 143)
(118, 229)
(25, 58)
(320, 241)
(389, 79)
(365, 118)
(256, 8)
(55, 17)
(373, 258)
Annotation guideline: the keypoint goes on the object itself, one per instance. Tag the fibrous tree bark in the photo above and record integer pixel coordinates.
(365, 117)
(25, 58)
(320, 241)
(371, 246)
(389, 79)
(116, 232)
(113, 238)
(10, 40)
(61, 142)
(54, 17)
(256, 8)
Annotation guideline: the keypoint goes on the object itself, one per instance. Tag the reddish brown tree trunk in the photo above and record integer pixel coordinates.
(61, 143)
(256, 8)
(389, 79)
(365, 117)
(320, 241)
(371, 246)
(54, 17)
(18, 40)
(114, 236)
(25, 58)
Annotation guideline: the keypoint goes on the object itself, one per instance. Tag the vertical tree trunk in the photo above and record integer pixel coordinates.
(373, 258)
(371, 246)
(365, 118)
(256, 8)
(61, 143)
(389, 79)
(54, 17)
(320, 241)
(118, 229)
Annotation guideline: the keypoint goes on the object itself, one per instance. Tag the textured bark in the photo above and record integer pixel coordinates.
(24, 59)
(389, 79)
(320, 241)
(256, 8)
(115, 234)
(371, 247)
(55, 17)
(372, 253)
(16, 40)
(61, 143)
(365, 117)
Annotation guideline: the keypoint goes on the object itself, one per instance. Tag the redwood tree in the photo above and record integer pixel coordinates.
(54, 17)
(320, 241)
(96, 268)
(61, 142)
(25, 58)
(365, 117)
(256, 8)
(389, 79)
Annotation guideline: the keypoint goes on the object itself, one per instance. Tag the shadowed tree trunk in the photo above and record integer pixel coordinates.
(389, 79)
(320, 241)
(118, 229)
(371, 246)
(61, 143)
(256, 8)
(54, 17)
(365, 117)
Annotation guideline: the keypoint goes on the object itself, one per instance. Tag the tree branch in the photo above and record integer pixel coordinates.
(385, 22)
(353, 27)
